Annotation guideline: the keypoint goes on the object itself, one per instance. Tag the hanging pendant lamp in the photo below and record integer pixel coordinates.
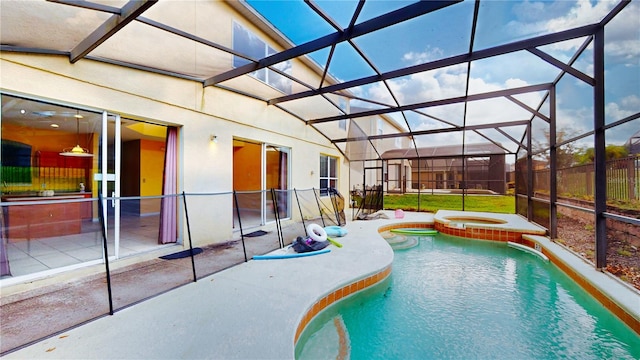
(77, 150)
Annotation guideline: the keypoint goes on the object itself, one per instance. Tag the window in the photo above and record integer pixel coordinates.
(342, 124)
(252, 46)
(16, 163)
(328, 173)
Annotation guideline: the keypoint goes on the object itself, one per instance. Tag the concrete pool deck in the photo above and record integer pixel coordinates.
(250, 311)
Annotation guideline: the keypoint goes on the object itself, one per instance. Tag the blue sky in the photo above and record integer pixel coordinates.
(446, 33)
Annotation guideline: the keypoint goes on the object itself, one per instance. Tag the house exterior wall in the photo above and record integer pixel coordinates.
(204, 167)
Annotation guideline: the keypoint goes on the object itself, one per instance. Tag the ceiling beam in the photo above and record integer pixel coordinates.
(456, 100)
(88, 5)
(533, 111)
(434, 131)
(504, 133)
(562, 66)
(454, 60)
(129, 12)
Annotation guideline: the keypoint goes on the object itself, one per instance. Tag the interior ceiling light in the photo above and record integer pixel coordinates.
(77, 150)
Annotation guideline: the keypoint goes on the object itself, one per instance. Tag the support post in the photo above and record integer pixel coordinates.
(553, 166)
(186, 214)
(276, 214)
(529, 174)
(599, 151)
(244, 248)
(105, 250)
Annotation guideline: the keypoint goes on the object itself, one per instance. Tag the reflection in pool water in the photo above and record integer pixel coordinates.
(449, 297)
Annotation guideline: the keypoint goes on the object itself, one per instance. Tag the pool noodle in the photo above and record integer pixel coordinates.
(334, 242)
(415, 231)
(289, 256)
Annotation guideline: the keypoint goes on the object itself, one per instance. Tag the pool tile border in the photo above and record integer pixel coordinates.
(632, 322)
(482, 233)
(339, 294)
(355, 286)
(478, 233)
(600, 295)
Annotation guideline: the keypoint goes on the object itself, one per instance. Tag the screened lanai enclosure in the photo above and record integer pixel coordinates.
(459, 97)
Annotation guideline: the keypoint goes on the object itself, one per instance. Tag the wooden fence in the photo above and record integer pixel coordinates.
(623, 180)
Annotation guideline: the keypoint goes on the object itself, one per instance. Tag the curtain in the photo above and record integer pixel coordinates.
(4, 258)
(282, 184)
(168, 207)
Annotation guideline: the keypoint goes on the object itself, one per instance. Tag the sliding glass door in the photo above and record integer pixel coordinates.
(56, 161)
(276, 182)
(260, 175)
(107, 180)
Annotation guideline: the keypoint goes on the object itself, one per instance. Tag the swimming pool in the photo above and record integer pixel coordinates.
(449, 297)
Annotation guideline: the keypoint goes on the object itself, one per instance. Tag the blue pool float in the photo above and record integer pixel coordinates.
(335, 231)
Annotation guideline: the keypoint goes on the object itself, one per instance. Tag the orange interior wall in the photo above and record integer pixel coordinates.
(273, 169)
(246, 166)
(151, 173)
(151, 167)
(45, 140)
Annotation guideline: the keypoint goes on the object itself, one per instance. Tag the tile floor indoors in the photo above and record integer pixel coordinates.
(138, 234)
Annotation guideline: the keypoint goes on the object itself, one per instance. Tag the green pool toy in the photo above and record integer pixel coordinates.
(415, 231)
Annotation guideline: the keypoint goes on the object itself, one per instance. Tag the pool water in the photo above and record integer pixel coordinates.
(453, 298)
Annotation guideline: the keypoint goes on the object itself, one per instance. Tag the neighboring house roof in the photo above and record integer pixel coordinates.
(633, 144)
(483, 149)
(449, 164)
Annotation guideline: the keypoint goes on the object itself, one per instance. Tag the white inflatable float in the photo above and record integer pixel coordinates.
(316, 233)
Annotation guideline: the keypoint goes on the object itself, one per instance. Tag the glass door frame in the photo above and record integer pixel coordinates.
(104, 177)
(265, 190)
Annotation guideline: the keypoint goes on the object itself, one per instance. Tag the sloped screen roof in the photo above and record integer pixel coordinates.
(439, 72)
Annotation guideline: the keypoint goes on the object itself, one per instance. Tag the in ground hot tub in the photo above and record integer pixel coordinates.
(461, 222)
(486, 226)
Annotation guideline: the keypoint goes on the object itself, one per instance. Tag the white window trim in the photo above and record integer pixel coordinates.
(327, 177)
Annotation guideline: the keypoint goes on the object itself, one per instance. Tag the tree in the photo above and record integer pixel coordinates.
(586, 156)
(565, 154)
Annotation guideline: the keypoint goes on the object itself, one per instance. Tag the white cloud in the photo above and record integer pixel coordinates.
(421, 87)
(517, 70)
(622, 34)
(584, 12)
(626, 107)
(535, 18)
(447, 83)
(632, 101)
(628, 51)
(422, 57)
(578, 121)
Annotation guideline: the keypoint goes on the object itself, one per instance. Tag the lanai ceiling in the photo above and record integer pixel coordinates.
(442, 72)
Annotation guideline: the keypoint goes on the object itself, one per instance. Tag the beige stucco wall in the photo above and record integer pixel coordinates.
(205, 167)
